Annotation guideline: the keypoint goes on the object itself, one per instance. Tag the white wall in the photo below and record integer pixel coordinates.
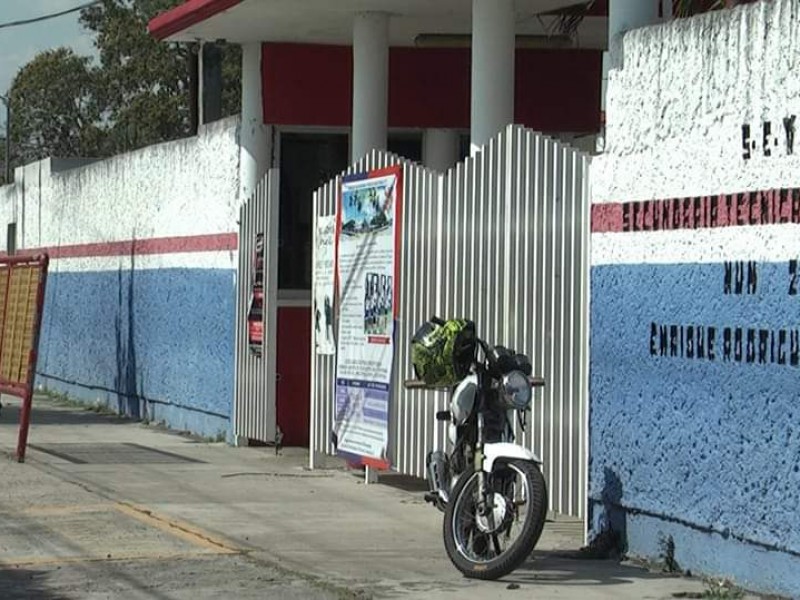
(145, 327)
(172, 189)
(692, 440)
(676, 109)
(8, 199)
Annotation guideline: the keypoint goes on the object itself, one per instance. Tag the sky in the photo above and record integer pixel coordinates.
(20, 44)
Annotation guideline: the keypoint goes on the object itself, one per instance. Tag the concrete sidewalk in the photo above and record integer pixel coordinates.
(106, 508)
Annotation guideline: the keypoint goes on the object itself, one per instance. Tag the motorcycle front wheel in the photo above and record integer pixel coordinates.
(489, 535)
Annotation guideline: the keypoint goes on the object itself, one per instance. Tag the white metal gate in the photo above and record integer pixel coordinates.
(502, 239)
(254, 412)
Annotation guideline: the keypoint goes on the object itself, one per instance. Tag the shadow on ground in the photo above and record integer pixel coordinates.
(402, 482)
(48, 415)
(565, 568)
(25, 584)
(545, 572)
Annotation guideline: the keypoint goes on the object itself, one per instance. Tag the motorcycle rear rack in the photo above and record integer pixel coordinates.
(416, 384)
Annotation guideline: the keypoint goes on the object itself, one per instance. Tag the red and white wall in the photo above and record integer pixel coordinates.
(695, 343)
(140, 310)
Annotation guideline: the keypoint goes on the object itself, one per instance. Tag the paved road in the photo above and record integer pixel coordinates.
(161, 579)
(104, 508)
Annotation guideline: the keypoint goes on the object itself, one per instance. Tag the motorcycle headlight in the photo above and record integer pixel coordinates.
(517, 390)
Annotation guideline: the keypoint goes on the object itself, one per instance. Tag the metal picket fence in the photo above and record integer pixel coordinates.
(254, 413)
(502, 239)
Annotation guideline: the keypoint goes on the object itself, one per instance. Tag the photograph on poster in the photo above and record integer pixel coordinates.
(367, 209)
(377, 304)
(323, 293)
(323, 323)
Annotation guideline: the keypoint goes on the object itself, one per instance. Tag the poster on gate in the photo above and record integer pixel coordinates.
(367, 274)
(323, 285)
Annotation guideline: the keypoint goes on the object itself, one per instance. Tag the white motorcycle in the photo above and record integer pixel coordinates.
(491, 490)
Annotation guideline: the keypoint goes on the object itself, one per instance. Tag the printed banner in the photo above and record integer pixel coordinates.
(255, 314)
(323, 285)
(367, 268)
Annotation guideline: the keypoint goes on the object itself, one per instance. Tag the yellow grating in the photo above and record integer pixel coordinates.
(3, 284)
(19, 295)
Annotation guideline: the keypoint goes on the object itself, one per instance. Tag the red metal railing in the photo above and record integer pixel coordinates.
(22, 287)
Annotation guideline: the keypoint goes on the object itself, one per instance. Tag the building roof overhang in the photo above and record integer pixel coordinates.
(330, 21)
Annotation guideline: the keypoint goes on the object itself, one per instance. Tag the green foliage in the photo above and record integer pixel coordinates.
(715, 588)
(231, 80)
(137, 95)
(688, 8)
(3, 160)
(54, 113)
(720, 588)
(142, 84)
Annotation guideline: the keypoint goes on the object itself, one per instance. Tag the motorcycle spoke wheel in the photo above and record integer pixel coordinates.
(487, 538)
(502, 529)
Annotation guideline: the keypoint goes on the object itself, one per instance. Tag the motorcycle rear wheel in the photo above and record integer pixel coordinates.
(462, 533)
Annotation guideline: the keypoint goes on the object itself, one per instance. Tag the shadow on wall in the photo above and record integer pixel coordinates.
(611, 530)
(129, 402)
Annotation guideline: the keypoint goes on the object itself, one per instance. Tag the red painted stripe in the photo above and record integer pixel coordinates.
(168, 245)
(765, 207)
(187, 14)
(606, 217)
(375, 463)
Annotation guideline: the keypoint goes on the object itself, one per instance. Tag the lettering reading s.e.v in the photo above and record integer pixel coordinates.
(769, 143)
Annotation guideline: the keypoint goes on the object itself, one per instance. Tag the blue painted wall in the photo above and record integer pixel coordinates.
(155, 344)
(706, 451)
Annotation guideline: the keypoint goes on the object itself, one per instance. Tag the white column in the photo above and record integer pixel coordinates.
(255, 151)
(493, 45)
(624, 15)
(370, 83)
(440, 148)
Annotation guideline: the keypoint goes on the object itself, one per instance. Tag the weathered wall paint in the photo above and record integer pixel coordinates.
(695, 380)
(140, 310)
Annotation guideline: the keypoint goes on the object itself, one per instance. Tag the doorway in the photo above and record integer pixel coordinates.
(307, 161)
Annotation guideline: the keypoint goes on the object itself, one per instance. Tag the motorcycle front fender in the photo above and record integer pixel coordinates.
(503, 450)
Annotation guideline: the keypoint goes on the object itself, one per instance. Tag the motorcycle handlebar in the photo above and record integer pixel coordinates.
(536, 382)
(415, 384)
